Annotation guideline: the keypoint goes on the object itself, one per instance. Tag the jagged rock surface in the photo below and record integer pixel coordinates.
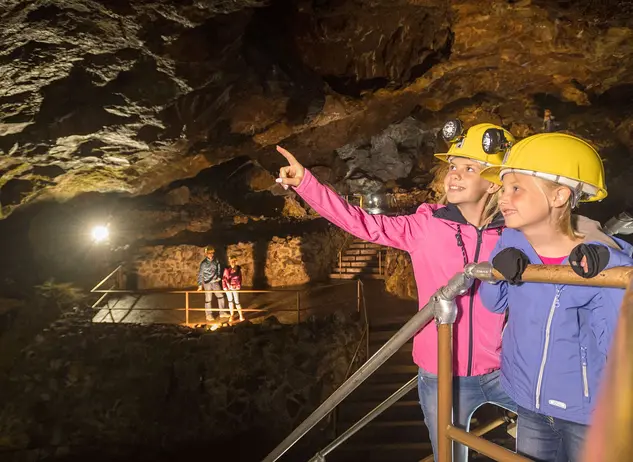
(128, 96)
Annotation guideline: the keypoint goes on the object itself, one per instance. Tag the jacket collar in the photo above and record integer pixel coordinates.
(452, 213)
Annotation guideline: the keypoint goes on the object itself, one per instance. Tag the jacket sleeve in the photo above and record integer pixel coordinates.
(200, 270)
(225, 279)
(400, 232)
(238, 277)
(494, 296)
(607, 304)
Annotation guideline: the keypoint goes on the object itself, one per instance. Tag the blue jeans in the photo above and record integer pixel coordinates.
(468, 394)
(548, 439)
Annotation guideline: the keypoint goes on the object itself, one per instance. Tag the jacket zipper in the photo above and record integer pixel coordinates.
(471, 304)
(539, 382)
(585, 382)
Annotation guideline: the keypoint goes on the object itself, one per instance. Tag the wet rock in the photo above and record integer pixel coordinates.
(178, 196)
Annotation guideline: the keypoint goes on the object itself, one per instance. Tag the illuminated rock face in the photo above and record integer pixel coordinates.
(131, 95)
(278, 262)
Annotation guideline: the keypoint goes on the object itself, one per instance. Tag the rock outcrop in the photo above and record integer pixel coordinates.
(129, 95)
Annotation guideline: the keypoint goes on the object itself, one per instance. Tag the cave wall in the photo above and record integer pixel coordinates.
(105, 388)
(131, 95)
(282, 261)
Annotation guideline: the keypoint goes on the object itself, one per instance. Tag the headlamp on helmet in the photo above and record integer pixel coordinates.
(494, 141)
(452, 130)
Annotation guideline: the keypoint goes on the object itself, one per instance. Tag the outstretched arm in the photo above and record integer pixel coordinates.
(400, 232)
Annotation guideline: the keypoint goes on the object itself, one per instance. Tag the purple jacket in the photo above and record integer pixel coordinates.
(557, 338)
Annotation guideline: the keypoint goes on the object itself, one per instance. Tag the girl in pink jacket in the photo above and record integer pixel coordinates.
(440, 239)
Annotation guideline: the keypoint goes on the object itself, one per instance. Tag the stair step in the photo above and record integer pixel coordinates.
(355, 276)
(358, 258)
(365, 245)
(361, 252)
(394, 452)
(400, 410)
(375, 392)
(382, 335)
(389, 432)
(358, 264)
(360, 270)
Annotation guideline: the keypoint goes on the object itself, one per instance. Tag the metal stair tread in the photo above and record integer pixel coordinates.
(374, 403)
(356, 276)
(388, 423)
(398, 369)
(385, 446)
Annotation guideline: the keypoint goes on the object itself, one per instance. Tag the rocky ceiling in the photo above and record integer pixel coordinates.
(130, 95)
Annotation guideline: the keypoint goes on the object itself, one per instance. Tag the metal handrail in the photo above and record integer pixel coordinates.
(443, 308)
(340, 253)
(187, 308)
(407, 331)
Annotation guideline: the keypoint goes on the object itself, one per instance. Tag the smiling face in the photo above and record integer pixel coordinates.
(526, 201)
(462, 183)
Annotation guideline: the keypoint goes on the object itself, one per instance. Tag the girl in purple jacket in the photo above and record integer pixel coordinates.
(557, 338)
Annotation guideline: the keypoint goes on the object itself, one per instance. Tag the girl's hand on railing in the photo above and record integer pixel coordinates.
(293, 173)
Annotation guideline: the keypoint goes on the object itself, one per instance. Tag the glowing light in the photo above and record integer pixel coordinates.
(100, 233)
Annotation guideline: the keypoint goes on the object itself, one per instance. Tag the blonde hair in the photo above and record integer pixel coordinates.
(564, 223)
(491, 208)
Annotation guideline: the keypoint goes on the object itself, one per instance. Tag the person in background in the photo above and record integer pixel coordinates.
(232, 283)
(209, 277)
(558, 336)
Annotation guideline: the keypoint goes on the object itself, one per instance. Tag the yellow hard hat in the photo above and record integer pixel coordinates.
(469, 145)
(558, 157)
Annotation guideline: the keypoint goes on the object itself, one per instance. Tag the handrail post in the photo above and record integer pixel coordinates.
(340, 261)
(445, 392)
(187, 308)
(445, 309)
(298, 307)
(380, 262)
(358, 295)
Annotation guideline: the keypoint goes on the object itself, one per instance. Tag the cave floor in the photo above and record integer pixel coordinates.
(314, 299)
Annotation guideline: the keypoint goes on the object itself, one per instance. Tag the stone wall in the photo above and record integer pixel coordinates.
(100, 388)
(400, 278)
(282, 261)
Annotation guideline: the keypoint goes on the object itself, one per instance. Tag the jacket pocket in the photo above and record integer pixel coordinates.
(585, 378)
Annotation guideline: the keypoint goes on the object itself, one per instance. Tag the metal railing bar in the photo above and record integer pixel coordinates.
(383, 354)
(371, 415)
(94, 289)
(482, 446)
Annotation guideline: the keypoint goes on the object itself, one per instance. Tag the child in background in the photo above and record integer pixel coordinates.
(232, 283)
(441, 239)
(557, 338)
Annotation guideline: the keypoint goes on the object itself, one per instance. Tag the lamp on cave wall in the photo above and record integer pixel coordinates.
(100, 233)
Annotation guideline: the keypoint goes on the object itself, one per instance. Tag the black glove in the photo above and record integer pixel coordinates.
(597, 259)
(511, 263)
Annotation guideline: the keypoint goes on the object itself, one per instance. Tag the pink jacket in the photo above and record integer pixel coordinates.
(440, 242)
(232, 278)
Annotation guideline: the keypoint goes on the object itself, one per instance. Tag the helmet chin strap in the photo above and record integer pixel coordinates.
(576, 195)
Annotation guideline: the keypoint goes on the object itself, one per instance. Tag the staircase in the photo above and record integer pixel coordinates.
(361, 260)
(399, 433)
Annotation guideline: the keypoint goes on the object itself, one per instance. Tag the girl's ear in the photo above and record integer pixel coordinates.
(493, 188)
(562, 195)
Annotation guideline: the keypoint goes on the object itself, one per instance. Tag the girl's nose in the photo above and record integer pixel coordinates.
(454, 174)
